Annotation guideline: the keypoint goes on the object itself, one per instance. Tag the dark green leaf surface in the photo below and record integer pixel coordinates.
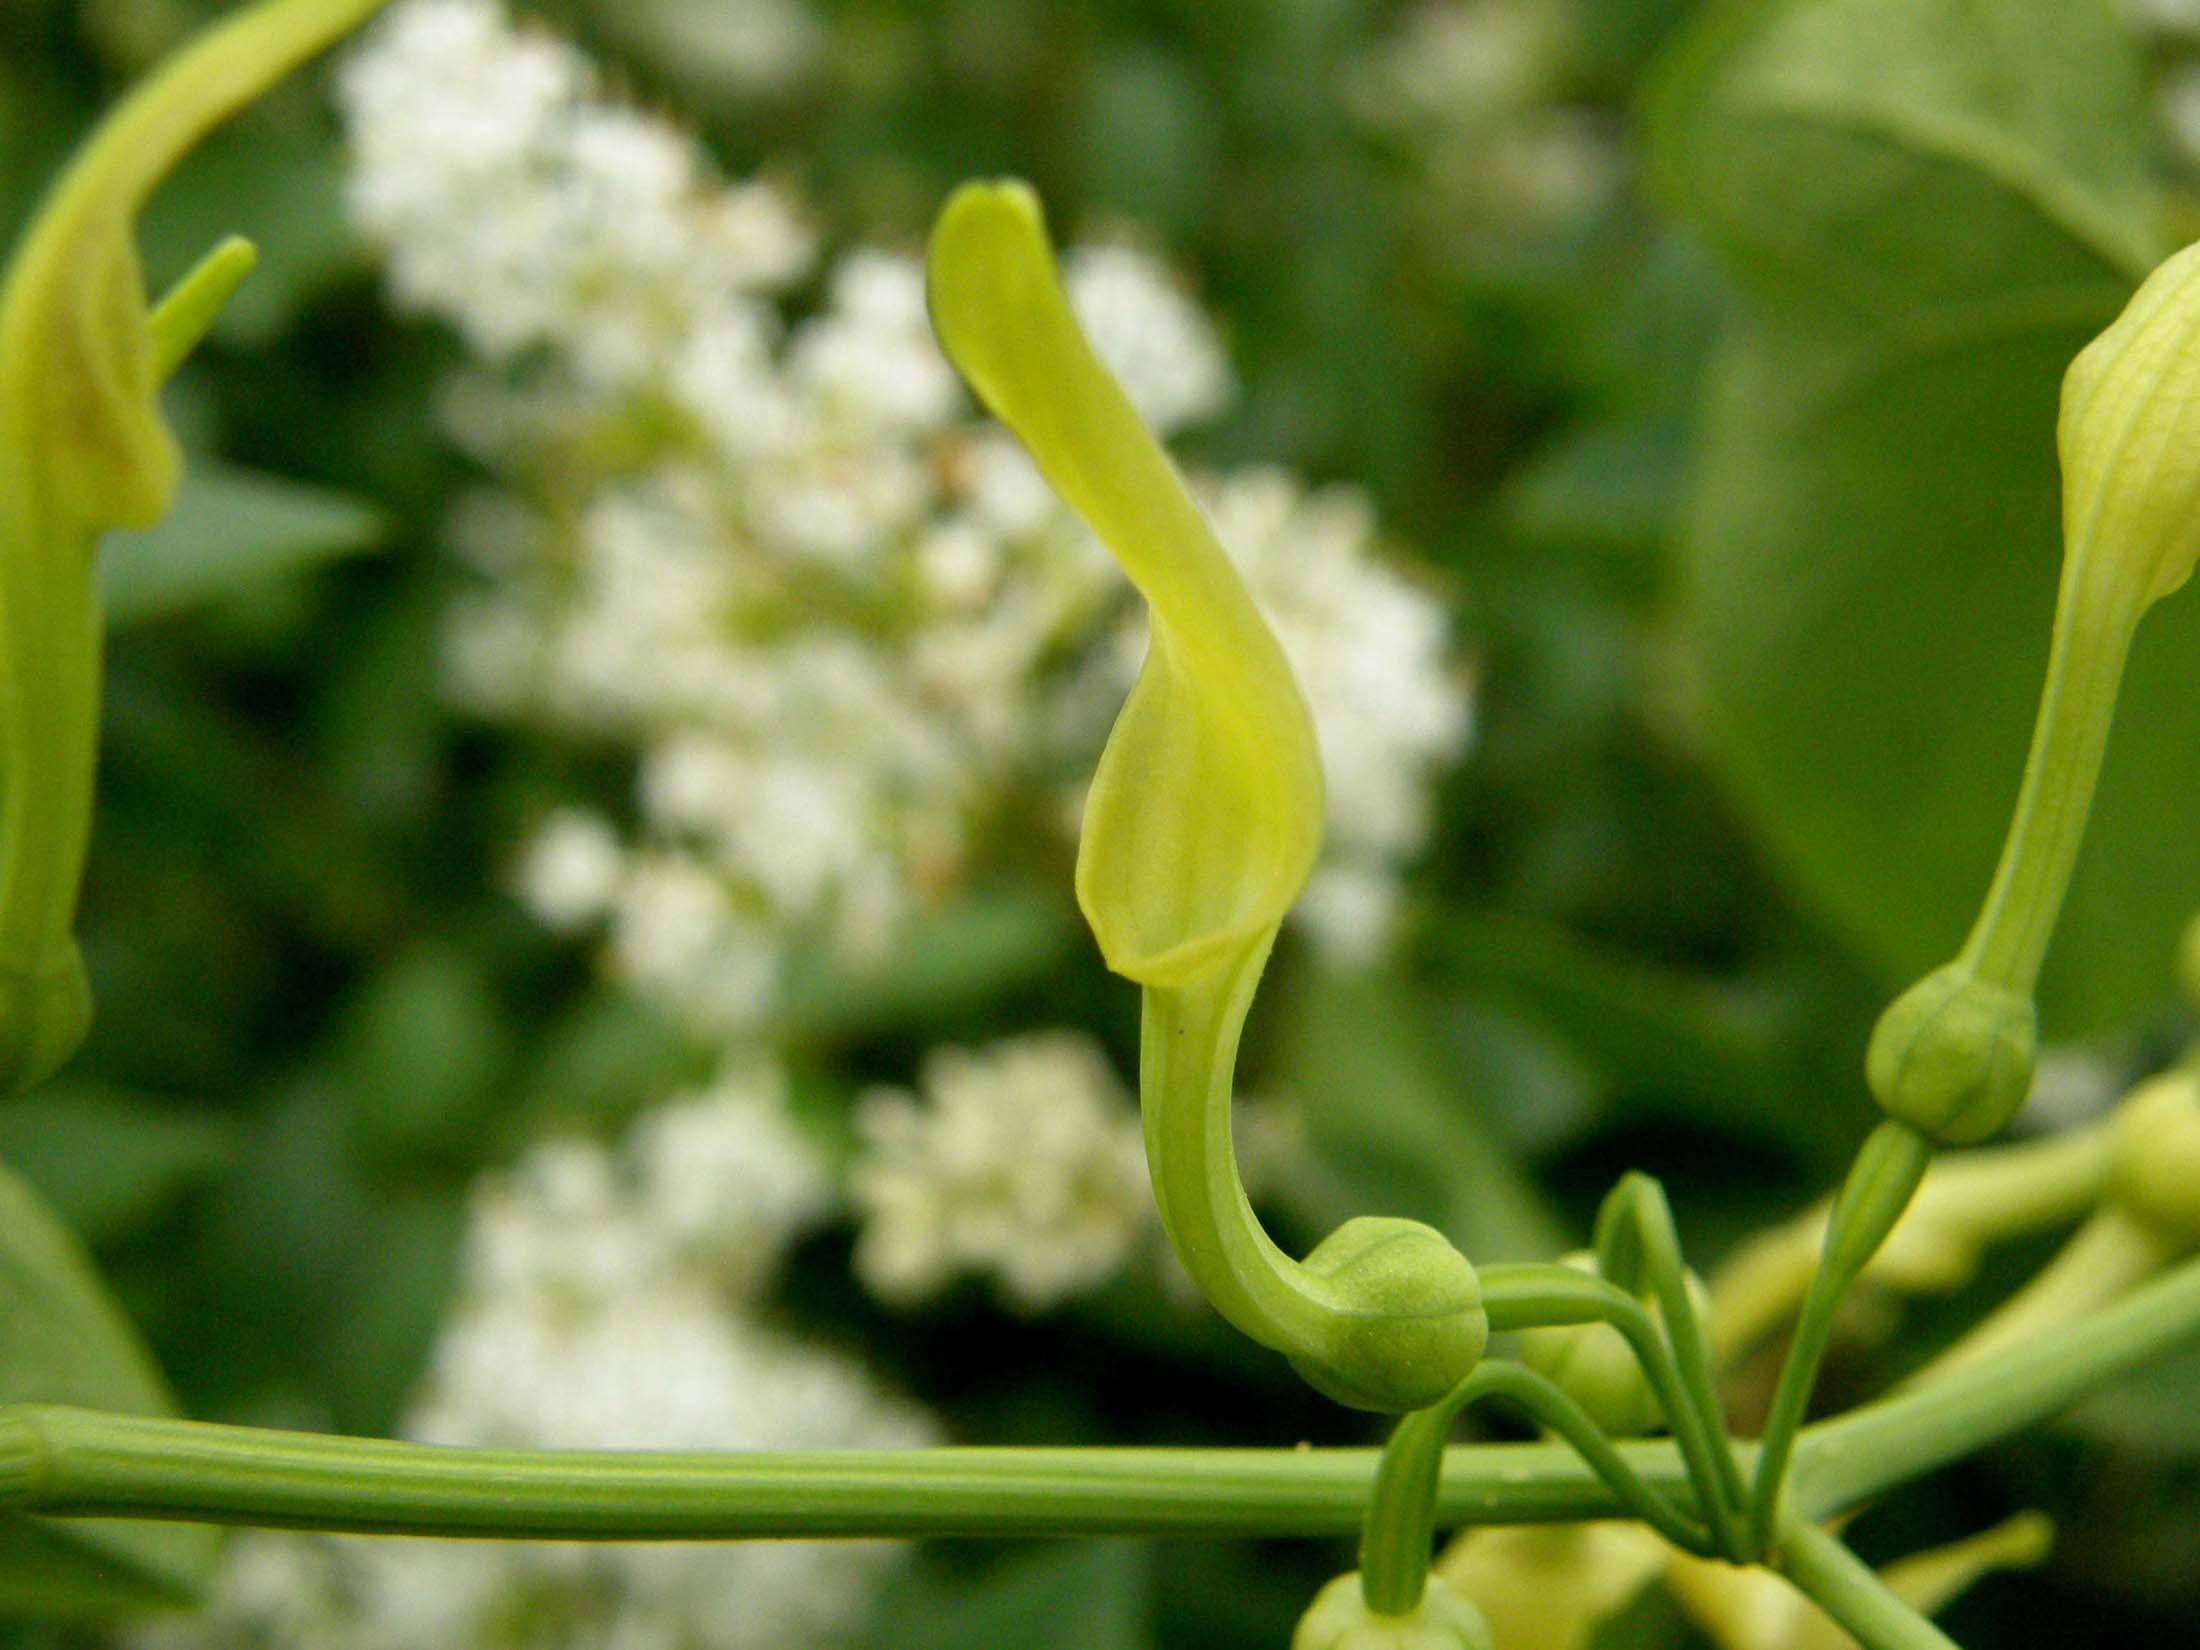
(109, 1160)
(1933, 204)
(230, 529)
(1381, 1105)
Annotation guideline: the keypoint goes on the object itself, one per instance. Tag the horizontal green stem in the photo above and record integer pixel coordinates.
(83, 1463)
(72, 1462)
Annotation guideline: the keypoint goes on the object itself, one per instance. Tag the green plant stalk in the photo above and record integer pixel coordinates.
(1849, 1459)
(1188, 1042)
(1396, 1540)
(79, 1463)
(2106, 1256)
(82, 1463)
(1538, 1296)
(1635, 1233)
(1887, 1172)
(82, 450)
(1844, 1586)
(2094, 625)
(1987, 1195)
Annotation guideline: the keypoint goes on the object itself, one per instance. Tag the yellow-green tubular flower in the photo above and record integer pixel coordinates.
(1954, 1056)
(1339, 1619)
(83, 449)
(1203, 824)
(2154, 1159)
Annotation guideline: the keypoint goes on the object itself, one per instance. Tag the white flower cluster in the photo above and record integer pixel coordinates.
(1474, 92)
(608, 1301)
(2171, 30)
(1024, 1161)
(837, 617)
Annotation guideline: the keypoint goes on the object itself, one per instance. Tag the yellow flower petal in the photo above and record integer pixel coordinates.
(1205, 816)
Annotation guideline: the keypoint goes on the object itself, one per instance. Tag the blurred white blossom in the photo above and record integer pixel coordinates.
(608, 1300)
(1475, 94)
(1023, 1162)
(845, 632)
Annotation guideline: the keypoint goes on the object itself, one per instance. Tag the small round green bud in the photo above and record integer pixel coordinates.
(2188, 962)
(1593, 1364)
(1953, 1056)
(1339, 1619)
(2154, 1158)
(1406, 1311)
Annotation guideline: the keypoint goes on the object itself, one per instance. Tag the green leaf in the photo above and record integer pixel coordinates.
(1933, 206)
(108, 1160)
(947, 962)
(63, 1340)
(230, 529)
(1362, 1061)
(423, 1053)
(1639, 1023)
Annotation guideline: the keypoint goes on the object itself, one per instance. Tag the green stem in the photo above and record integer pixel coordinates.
(1972, 1199)
(1843, 1585)
(2106, 1256)
(1886, 1174)
(1636, 1233)
(1536, 1296)
(1866, 1452)
(1401, 1517)
(1384, 1314)
(2094, 624)
(1187, 1064)
(83, 1463)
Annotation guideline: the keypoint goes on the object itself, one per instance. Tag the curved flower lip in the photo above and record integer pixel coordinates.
(81, 359)
(2129, 435)
(1205, 815)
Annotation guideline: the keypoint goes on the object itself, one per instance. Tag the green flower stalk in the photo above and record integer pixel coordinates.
(83, 357)
(1202, 827)
(1953, 1056)
(1594, 1366)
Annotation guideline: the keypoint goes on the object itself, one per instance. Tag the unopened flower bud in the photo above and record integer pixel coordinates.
(2130, 439)
(2154, 1158)
(1405, 1323)
(1953, 1056)
(1339, 1619)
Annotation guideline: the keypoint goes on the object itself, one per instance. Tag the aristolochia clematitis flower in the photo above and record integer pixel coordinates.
(1205, 816)
(83, 449)
(1203, 825)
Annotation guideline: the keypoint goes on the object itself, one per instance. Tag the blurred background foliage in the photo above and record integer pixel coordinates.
(1723, 411)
